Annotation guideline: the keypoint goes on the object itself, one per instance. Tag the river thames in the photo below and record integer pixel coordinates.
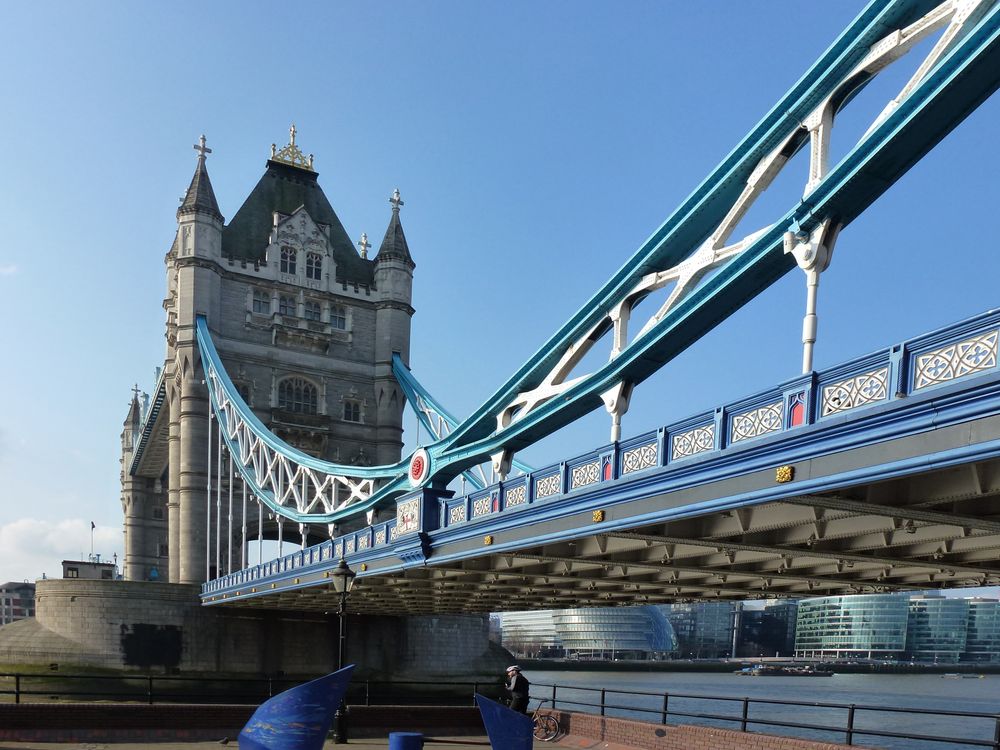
(926, 691)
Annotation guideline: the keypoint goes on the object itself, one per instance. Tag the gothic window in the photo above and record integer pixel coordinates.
(352, 411)
(158, 514)
(288, 258)
(338, 317)
(297, 395)
(312, 310)
(261, 302)
(314, 265)
(286, 306)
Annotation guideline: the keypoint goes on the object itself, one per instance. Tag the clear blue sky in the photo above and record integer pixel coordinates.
(536, 145)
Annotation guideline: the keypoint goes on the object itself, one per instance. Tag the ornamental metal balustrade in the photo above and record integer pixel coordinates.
(964, 351)
(702, 276)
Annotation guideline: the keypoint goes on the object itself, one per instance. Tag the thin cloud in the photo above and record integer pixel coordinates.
(31, 547)
(8, 270)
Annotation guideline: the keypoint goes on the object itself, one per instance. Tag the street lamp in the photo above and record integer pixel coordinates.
(343, 579)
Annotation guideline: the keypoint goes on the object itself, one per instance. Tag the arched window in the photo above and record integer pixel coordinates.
(352, 410)
(312, 310)
(314, 265)
(261, 302)
(297, 395)
(286, 306)
(288, 258)
(338, 317)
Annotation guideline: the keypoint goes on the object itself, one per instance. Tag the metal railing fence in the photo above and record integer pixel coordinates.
(666, 706)
(150, 689)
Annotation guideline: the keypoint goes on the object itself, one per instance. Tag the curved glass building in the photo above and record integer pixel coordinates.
(936, 628)
(862, 626)
(982, 641)
(594, 633)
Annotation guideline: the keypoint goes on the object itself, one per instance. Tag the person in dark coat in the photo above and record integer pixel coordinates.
(518, 688)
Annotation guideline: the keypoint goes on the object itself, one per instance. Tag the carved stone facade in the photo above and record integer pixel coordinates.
(306, 327)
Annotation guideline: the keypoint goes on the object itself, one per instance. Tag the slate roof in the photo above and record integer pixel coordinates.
(394, 243)
(285, 188)
(200, 198)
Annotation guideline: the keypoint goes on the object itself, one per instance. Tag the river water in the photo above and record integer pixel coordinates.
(905, 691)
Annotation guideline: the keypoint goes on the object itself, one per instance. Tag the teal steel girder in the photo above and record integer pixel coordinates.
(415, 393)
(961, 80)
(955, 86)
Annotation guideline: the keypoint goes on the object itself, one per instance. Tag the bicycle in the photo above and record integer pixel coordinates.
(545, 727)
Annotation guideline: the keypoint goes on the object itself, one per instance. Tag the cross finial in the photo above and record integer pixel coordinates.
(201, 148)
(395, 200)
(135, 390)
(291, 135)
(364, 245)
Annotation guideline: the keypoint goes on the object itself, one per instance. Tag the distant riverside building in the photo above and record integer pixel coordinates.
(704, 630)
(982, 639)
(17, 601)
(923, 627)
(936, 628)
(92, 569)
(593, 633)
(769, 631)
(865, 626)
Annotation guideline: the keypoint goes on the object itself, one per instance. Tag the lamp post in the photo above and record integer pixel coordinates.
(343, 579)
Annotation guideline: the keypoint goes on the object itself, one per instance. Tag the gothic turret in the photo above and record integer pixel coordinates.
(394, 282)
(200, 198)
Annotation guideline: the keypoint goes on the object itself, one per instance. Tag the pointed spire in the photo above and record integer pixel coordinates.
(394, 243)
(134, 416)
(200, 198)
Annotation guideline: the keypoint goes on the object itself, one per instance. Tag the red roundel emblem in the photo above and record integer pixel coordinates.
(419, 464)
(417, 468)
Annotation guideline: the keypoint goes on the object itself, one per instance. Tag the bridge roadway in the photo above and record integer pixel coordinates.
(880, 474)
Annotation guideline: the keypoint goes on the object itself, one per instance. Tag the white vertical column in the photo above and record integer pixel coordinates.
(218, 502)
(243, 536)
(229, 562)
(208, 498)
(260, 532)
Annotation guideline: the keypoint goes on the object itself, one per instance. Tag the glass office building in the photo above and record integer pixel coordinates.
(936, 628)
(863, 626)
(594, 633)
(704, 629)
(982, 640)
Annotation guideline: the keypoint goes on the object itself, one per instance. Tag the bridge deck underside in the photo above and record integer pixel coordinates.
(930, 530)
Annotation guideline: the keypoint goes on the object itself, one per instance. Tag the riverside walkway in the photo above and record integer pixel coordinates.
(450, 743)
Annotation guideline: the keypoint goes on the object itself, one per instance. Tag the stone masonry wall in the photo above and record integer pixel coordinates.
(160, 626)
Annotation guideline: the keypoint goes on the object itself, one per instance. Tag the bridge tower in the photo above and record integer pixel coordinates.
(306, 326)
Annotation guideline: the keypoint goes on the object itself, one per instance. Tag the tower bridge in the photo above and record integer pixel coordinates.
(882, 473)
(278, 411)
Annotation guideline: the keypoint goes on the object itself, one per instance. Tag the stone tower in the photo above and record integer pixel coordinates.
(306, 327)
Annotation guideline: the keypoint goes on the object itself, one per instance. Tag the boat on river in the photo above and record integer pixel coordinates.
(761, 670)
